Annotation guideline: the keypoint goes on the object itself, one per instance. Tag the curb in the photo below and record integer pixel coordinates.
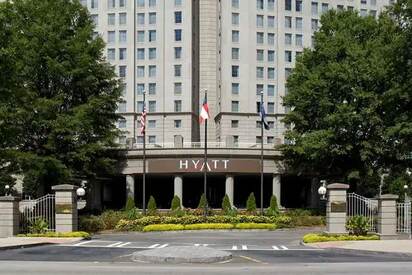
(9, 247)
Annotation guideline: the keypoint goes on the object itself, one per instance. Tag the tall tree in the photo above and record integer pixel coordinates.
(66, 93)
(336, 95)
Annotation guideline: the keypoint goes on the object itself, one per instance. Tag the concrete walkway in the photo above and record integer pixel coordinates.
(19, 242)
(391, 246)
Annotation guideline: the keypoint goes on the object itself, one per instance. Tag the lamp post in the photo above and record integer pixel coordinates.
(81, 192)
(7, 189)
(406, 197)
(322, 190)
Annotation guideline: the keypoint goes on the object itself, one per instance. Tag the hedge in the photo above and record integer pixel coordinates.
(269, 226)
(315, 238)
(205, 226)
(163, 227)
(76, 234)
(201, 226)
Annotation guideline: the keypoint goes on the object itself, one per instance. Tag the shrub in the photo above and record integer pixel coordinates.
(38, 226)
(176, 203)
(202, 202)
(299, 212)
(76, 234)
(308, 221)
(273, 209)
(283, 222)
(226, 206)
(269, 226)
(133, 214)
(202, 226)
(358, 225)
(110, 218)
(129, 204)
(125, 225)
(314, 238)
(163, 227)
(251, 203)
(91, 224)
(151, 206)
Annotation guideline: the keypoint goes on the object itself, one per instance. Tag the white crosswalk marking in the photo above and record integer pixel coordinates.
(82, 243)
(275, 247)
(198, 244)
(123, 244)
(163, 245)
(114, 244)
(234, 247)
(154, 246)
(284, 247)
(244, 247)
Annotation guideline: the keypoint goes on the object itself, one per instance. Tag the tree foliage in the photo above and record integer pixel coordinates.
(251, 203)
(58, 95)
(349, 111)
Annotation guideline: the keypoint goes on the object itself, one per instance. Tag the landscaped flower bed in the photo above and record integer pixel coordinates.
(316, 238)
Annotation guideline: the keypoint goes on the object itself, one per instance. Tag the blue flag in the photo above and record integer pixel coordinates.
(263, 117)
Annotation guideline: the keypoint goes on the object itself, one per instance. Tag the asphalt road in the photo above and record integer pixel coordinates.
(277, 252)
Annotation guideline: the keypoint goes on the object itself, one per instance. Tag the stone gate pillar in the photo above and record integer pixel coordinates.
(386, 225)
(9, 216)
(336, 208)
(66, 208)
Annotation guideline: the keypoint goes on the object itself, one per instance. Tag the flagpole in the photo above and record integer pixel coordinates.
(144, 156)
(205, 165)
(261, 152)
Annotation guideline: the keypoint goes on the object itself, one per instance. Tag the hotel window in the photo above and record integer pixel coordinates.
(140, 54)
(235, 123)
(122, 18)
(270, 140)
(288, 56)
(288, 22)
(235, 4)
(258, 140)
(259, 4)
(122, 107)
(111, 37)
(140, 3)
(271, 108)
(152, 3)
(350, 8)
(111, 19)
(271, 21)
(152, 36)
(373, 2)
(152, 106)
(152, 139)
(364, 2)
(152, 71)
(271, 56)
(235, 53)
(235, 88)
(178, 3)
(259, 72)
(122, 53)
(178, 106)
(271, 90)
(178, 35)
(271, 5)
(235, 141)
(122, 71)
(152, 53)
(299, 5)
(140, 71)
(140, 36)
(258, 123)
(299, 23)
(139, 139)
(271, 124)
(178, 52)
(95, 19)
(372, 13)
(271, 39)
(235, 36)
(122, 139)
(299, 40)
(151, 124)
(259, 21)
(260, 56)
(288, 5)
(178, 70)
(235, 19)
(122, 3)
(84, 3)
(111, 4)
(178, 88)
(259, 37)
(140, 88)
(314, 23)
(152, 88)
(363, 12)
(235, 106)
(94, 4)
(259, 89)
(340, 7)
(122, 36)
(235, 71)
(178, 123)
(122, 123)
(178, 17)
(271, 73)
(325, 7)
(140, 106)
(111, 54)
(314, 7)
(152, 18)
(140, 19)
(288, 71)
(288, 39)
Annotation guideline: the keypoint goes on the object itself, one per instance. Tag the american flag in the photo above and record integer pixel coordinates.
(143, 121)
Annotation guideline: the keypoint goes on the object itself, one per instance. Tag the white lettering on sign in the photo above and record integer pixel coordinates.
(199, 165)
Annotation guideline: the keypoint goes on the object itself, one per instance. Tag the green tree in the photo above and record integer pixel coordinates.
(130, 204)
(57, 107)
(335, 97)
(226, 205)
(251, 203)
(151, 206)
(202, 202)
(176, 203)
(273, 209)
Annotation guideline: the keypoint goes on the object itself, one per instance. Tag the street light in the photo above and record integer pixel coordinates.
(7, 188)
(322, 190)
(405, 188)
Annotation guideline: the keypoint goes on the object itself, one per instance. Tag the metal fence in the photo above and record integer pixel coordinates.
(33, 210)
(361, 206)
(404, 217)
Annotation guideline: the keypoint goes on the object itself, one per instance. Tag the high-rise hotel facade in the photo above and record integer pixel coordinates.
(174, 51)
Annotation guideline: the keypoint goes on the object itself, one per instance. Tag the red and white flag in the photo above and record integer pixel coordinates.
(143, 121)
(204, 112)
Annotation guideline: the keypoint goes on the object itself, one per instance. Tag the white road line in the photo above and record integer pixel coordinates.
(114, 244)
(234, 247)
(82, 243)
(244, 247)
(163, 245)
(284, 247)
(205, 244)
(275, 247)
(154, 246)
(197, 244)
(123, 244)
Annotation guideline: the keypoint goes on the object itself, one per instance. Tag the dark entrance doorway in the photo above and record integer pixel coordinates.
(193, 186)
(296, 192)
(246, 184)
(160, 187)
